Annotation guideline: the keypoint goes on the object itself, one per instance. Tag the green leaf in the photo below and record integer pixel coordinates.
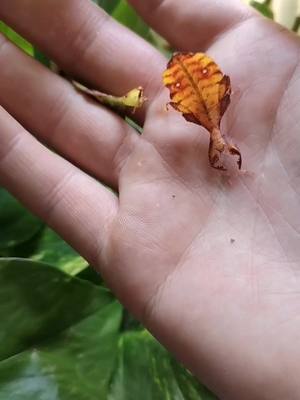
(129, 323)
(89, 274)
(264, 9)
(127, 16)
(145, 370)
(42, 58)
(38, 302)
(76, 364)
(189, 386)
(23, 44)
(61, 340)
(16, 38)
(17, 225)
(52, 249)
(107, 5)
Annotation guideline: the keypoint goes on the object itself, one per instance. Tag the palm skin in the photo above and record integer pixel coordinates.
(211, 266)
(219, 304)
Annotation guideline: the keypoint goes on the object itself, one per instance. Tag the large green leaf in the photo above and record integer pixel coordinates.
(39, 302)
(76, 364)
(16, 39)
(53, 250)
(17, 225)
(145, 370)
(61, 340)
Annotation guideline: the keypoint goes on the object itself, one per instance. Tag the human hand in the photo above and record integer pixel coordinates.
(227, 308)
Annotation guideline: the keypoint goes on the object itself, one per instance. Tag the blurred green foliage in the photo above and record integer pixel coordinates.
(64, 338)
(263, 8)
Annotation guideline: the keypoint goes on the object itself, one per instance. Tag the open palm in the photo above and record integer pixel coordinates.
(210, 266)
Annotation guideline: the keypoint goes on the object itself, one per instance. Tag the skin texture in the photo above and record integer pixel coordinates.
(211, 267)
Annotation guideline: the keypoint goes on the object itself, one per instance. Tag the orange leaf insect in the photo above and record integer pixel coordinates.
(201, 92)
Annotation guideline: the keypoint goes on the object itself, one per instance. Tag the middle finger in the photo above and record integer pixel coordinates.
(48, 106)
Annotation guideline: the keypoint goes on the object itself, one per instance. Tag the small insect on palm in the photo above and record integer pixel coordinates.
(201, 92)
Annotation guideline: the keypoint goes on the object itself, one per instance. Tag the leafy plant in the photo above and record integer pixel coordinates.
(263, 8)
(63, 338)
(17, 225)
